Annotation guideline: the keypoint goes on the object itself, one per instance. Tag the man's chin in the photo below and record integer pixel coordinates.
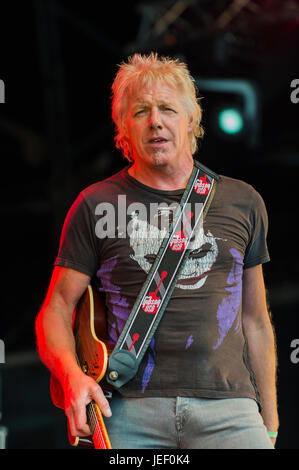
(159, 159)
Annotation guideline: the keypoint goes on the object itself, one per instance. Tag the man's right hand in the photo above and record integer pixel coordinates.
(56, 347)
(79, 391)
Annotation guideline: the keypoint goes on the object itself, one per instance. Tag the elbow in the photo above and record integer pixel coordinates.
(253, 323)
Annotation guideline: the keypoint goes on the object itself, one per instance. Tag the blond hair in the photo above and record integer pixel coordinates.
(141, 71)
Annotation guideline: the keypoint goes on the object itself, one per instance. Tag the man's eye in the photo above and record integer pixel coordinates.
(168, 109)
(141, 111)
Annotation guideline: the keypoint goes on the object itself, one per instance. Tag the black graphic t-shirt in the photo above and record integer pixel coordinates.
(113, 232)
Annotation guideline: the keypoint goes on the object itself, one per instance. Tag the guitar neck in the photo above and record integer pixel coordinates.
(97, 426)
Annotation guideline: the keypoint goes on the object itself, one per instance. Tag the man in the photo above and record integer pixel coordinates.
(208, 377)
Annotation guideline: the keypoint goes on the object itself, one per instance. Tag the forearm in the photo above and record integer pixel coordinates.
(56, 344)
(262, 352)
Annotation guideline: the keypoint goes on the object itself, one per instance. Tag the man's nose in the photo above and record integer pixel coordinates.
(155, 120)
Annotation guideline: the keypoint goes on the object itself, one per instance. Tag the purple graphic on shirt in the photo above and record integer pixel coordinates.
(121, 311)
(229, 307)
(189, 341)
(150, 365)
(120, 306)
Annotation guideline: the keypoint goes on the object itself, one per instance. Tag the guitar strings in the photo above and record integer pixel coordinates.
(98, 433)
(98, 439)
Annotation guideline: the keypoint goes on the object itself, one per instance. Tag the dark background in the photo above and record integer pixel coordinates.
(58, 60)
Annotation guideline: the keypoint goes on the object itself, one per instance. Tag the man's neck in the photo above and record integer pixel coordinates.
(163, 178)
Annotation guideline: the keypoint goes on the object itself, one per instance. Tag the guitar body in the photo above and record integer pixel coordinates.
(89, 324)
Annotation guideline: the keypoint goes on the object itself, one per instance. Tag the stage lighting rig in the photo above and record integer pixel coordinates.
(232, 111)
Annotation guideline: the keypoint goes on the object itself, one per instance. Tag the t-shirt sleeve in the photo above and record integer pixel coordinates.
(257, 249)
(78, 246)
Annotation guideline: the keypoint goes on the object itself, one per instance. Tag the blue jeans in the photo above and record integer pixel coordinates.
(186, 423)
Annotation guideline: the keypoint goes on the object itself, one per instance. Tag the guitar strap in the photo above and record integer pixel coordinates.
(162, 277)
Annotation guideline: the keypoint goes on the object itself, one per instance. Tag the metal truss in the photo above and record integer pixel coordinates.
(168, 22)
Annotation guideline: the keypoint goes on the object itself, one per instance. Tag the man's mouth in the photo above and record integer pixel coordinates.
(157, 141)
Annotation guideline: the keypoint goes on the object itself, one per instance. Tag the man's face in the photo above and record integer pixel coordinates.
(157, 127)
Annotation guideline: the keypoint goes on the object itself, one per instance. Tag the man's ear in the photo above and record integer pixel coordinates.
(124, 127)
(190, 124)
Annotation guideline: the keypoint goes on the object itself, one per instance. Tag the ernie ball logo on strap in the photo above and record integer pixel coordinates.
(152, 301)
(202, 186)
(179, 240)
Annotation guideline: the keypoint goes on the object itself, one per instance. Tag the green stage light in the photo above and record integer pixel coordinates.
(230, 121)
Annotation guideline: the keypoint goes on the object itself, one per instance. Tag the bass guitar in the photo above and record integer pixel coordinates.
(89, 324)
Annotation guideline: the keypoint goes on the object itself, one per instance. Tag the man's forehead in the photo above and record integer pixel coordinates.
(161, 92)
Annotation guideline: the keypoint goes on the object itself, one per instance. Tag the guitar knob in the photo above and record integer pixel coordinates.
(113, 375)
